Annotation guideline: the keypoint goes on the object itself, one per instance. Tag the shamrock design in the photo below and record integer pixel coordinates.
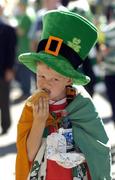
(75, 44)
(35, 171)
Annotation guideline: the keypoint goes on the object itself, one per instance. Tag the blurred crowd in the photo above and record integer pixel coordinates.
(20, 31)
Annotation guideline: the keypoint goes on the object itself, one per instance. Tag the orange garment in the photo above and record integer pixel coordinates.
(24, 126)
(22, 163)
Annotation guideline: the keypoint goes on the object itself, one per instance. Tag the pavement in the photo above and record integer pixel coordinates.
(7, 142)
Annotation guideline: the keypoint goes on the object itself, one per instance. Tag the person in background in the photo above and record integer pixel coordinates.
(65, 2)
(8, 40)
(82, 7)
(108, 56)
(36, 28)
(62, 126)
(22, 74)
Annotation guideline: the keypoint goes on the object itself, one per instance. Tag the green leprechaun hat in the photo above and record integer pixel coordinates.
(65, 42)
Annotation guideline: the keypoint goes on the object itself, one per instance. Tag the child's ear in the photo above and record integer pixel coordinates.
(69, 81)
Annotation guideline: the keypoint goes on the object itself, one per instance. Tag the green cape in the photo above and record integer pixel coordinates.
(90, 136)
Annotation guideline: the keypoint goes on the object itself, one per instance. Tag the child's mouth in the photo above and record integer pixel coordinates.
(47, 91)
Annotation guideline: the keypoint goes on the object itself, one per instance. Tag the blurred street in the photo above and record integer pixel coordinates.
(7, 142)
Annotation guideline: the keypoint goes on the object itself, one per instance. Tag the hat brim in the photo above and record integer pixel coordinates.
(59, 64)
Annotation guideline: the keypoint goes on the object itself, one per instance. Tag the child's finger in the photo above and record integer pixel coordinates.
(40, 104)
(35, 108)
(45, 106)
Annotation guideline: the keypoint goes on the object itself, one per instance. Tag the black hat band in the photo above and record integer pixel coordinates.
(64, 50)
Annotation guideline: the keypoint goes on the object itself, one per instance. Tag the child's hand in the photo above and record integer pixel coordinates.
(41, 110)
(40, 115)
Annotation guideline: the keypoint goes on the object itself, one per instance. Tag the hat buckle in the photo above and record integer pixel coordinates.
(48, 45)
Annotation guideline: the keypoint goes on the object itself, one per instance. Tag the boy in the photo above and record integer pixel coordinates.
(61, 50)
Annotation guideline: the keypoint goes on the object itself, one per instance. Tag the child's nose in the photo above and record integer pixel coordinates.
(48, 81)
(47, 84)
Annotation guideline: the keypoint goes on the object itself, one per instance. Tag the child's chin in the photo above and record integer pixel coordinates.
(52, 97)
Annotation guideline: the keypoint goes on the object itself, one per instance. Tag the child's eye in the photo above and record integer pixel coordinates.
(42, 76)
(55, 79)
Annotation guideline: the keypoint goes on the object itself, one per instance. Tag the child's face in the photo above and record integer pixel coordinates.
(53, 82)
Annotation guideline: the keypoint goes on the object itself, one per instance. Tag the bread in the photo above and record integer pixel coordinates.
(35, 97)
